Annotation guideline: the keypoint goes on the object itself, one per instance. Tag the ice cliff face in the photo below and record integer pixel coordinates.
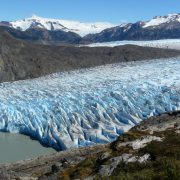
(90, 106)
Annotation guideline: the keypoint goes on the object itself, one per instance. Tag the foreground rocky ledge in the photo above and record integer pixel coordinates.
(151, 149)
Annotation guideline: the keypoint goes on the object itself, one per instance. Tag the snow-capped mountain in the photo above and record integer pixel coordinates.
(159, 20)
(160, 27)
(90, 106)
(55, 31)
(58, 24)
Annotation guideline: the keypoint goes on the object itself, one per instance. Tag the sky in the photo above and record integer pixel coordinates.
(115, 11)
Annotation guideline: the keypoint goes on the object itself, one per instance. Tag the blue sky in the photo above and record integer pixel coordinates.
(115, 11)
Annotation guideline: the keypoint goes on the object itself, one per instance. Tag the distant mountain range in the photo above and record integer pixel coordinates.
(160, 27)
(79, 28)
(55, 31)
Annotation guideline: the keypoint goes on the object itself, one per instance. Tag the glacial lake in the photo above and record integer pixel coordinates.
(16, 147)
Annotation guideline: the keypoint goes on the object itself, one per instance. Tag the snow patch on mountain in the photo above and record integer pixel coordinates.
(90, 106)
(59, 24)
(167, 44)
(158, 20)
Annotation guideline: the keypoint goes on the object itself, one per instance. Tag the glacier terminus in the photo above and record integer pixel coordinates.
(90, 106)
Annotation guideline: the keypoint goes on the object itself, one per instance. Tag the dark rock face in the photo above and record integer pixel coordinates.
(50, 37)
(43, 36)
(22, 60)
(5, 24)
(136, 32)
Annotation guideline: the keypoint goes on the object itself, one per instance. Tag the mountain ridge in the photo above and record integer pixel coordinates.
(77, 27)
(54, 31)
(160, 27)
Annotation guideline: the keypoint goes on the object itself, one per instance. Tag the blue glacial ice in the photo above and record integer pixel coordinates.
(89, 106)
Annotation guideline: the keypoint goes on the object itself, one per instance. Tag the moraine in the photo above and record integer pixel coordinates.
(90, 106)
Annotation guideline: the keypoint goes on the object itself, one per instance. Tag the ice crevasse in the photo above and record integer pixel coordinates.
(89, 106)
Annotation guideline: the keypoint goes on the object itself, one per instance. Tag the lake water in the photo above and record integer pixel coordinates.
(15, 147)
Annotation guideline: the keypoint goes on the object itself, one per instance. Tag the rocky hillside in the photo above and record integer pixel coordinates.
(151, 149)
(43, 36)
(21, 60)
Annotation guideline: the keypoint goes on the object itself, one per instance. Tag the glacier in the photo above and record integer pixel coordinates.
(89, 106)
(165, 43)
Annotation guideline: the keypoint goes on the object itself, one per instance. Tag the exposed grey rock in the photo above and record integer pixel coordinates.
(107, 170)
(105, 156)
